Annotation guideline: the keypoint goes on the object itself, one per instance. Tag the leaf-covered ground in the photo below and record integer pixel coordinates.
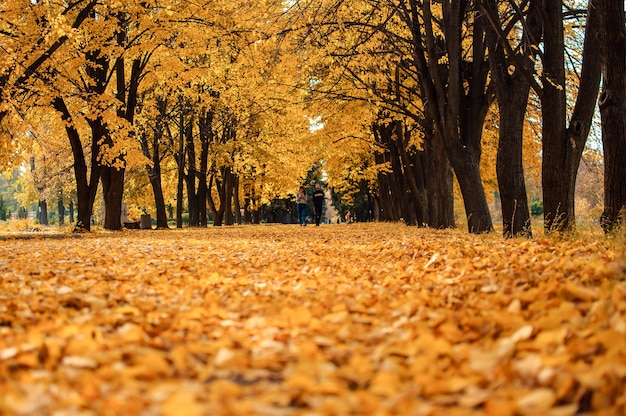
(336, 320)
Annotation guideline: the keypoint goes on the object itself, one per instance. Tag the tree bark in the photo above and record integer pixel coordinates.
(439, 184)
(613, 110)
(180, 160)
(218, 218)
(154, 172)
(228, 195)
(236, 202)
(457, 97)
(563, 146)
(205, 127)
(209, 198)
(43, 212)
(512, 92)
(190, 177)
(86, 188)
(414, 182)
(113, 171)
(391, 184)
(154, 169)
(113, 191)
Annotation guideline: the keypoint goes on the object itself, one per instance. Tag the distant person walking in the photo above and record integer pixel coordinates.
(301, 199)
(318, 203)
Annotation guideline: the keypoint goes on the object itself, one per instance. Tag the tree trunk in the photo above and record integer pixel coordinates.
(114, 171)
(440, 183)
(209, 198)
(159, 201)
(457, 97)
(613, 111)
(228, 200)
(221, 186)
(154, 175)
(509, 163)
(512, 91)
(236, 203)
(390, 183)
(86, 188)
(190, 178)
(180, 159)
(414, 181)
(43, 212)
(71, 210)
(205, 127)
(113, 191)
(154, 169)
(562, 146)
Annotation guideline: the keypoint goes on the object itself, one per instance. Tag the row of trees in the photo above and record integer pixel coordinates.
(230, 103)
(444, 71)
(187, 93)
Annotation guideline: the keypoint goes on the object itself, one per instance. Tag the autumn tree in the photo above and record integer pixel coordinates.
(154, 141)
(612, 36)
(512, 89)
(563, 141)
(368, 57)
(31, 32)
(103, 74)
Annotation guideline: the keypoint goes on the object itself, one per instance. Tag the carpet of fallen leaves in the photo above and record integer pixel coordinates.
(336, 320)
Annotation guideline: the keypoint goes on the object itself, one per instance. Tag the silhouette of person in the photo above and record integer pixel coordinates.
(301, 199)
(318, 203)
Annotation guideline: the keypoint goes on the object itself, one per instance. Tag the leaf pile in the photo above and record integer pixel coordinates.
(281, 320)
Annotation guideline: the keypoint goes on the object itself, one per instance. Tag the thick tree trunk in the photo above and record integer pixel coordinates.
(509, 164)
(457, 97)
(387, 191)
(464, 154)
(114, 171)
(467, 168)
(202, 200)
(439, 184)
(113, 191)
(613, 111)
(71, 210)
(562, 146)
(43, 212)
(512, 91)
